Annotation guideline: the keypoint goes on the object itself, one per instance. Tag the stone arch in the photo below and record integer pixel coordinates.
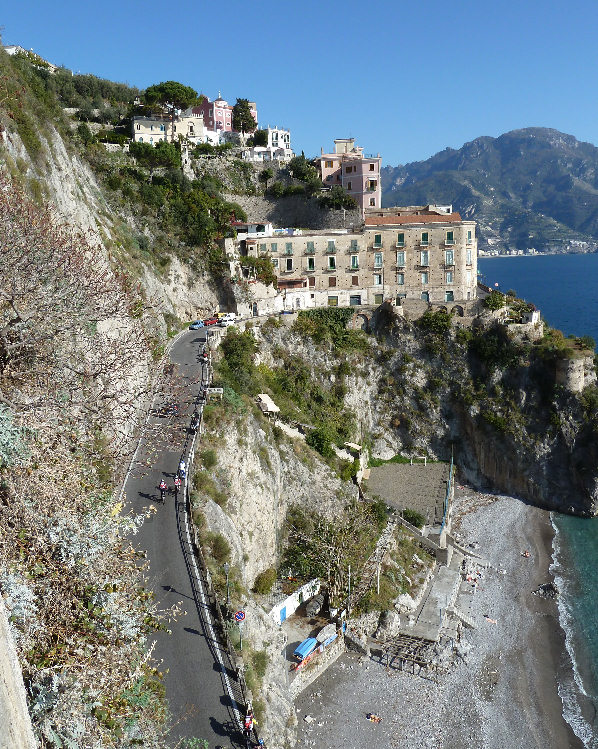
(360, 321)
(458, 310)
(442, 308)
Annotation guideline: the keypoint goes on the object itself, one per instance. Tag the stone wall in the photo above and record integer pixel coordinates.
(296, 211)
(316, 667)
(15, 726)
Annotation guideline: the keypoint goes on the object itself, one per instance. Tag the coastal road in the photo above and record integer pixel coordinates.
(204, 698)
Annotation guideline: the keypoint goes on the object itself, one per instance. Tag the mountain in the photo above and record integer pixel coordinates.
(529, 188)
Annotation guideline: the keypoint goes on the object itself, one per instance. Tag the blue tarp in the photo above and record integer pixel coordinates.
(305, 648)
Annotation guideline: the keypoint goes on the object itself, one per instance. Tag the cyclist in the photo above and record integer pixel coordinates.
(182, 469)
(162, 490)
(177, 486)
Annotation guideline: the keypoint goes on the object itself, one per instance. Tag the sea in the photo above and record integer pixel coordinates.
(565, 289)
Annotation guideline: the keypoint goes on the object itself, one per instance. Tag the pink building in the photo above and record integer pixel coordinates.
(355, 172)
(218, 114)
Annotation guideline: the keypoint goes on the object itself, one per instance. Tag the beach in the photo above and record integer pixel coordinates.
(504, 694)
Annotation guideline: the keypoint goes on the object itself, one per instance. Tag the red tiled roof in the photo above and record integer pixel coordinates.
(424, 218)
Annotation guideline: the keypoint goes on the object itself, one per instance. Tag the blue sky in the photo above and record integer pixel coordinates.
(405, 79)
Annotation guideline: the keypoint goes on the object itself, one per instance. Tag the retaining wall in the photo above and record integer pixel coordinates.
(15, 725)
(310, 672)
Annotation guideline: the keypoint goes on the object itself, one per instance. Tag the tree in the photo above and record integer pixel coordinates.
(243, 120)
(173, 97)
(265, 175)
(337, 198)
(162, 154)
(260, 138)
(494, 301)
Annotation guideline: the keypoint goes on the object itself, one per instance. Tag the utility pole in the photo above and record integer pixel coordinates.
(378, 580)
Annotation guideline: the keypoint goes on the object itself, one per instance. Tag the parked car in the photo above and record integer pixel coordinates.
(224, 323)
(196, 325)
(210, 321)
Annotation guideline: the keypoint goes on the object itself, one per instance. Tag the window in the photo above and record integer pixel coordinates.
(354, 280)
(140, 139)
(348, 169)
(311, 281)
(401, 239)
(373, 201)
(378, 298)
(377, 279)
(263, 247)
(449, 296)
(424, 257)
(425, 277)
(329, 178)
(310, 248)
(401, 279)
(468, 277)
(354, 244)
(289, 263)
(332, 263)
(401, 258)
(274, 247)
(162, 128)
(138, 127)
(311, 263)
(331, 280)
(355, 261)
(372, 167)
(349, 185)
(449, 276)
(449, 257)
(288, 248)
(331, 246)
(450, 237)
(333, 301)
(425, 237)
(425, 296)
(355, 301)
(275, 262)
(328, 164)
(469, 239)
(468, 257)
(377, 240)
(377, 259)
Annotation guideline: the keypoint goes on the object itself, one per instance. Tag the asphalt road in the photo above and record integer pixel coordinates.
(201, 689)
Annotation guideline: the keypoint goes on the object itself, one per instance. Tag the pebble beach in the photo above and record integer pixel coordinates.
(503, 695)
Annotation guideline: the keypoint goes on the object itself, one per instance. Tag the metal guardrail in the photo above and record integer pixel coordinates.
(449, 484)
(198, 552)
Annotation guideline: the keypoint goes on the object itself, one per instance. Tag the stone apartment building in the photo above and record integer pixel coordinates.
(356, 173)
(425, 253)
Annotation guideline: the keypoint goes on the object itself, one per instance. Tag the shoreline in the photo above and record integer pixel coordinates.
(505, 693)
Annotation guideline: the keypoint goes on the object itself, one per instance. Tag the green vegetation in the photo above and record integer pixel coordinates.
(243, 120)
(264, 581)
(414, 517)
(262, 268)
(336, 199)
(330, 324)
(437, 322)
(495, 300)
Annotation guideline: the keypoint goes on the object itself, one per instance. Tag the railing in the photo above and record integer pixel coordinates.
(447, 496)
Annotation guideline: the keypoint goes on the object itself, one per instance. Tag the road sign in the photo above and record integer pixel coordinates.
(239, 615)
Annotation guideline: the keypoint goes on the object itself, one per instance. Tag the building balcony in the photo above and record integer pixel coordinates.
(330, 250)
(400, 244)
(351, 269)
(309, 270)
(377, 245)
(449, 242)
(288, 252)
(309, 252)
(352, 251)
(329, 270)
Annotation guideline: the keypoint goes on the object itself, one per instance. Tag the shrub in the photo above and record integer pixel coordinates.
(321, 440)
(219, 547)
(438, 322)
(208, 458)
(264, 581)
(495, 300)
(414, 517)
